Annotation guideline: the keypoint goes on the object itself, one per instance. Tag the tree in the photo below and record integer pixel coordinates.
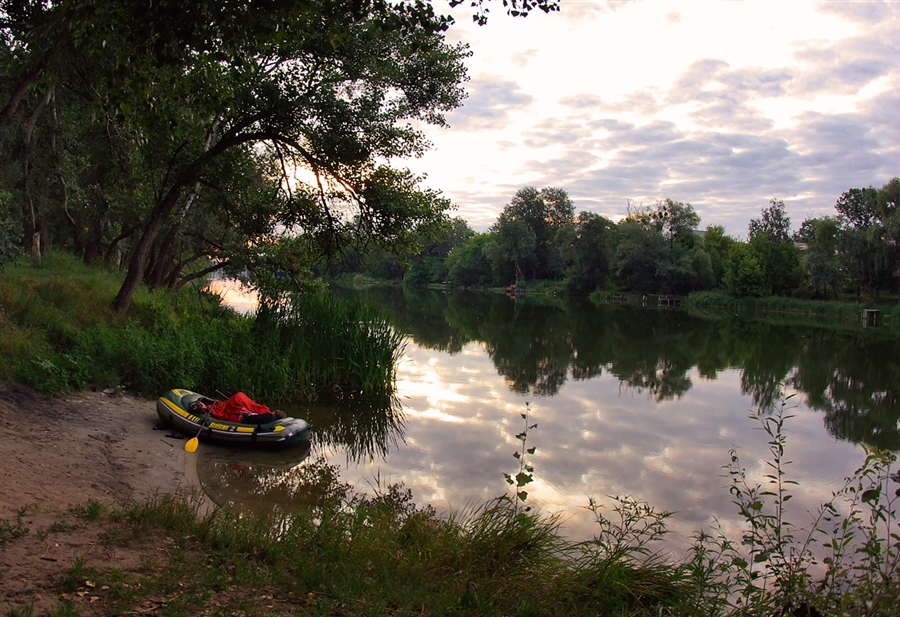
(745, 276)
(859, 207)
(429, 264)
(516, 8)
(468, 265)
(10, 233)
(657, 253)
(326, 86)
(680, 222)
(774, 223)
(512, 252)
(889, 212)
(773, 250)
(717, 246)
(587, 247)
(869, 238)
(543, 212)
(639, 252)
(820, 260)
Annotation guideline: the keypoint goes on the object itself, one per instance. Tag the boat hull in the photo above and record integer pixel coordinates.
(173, 409)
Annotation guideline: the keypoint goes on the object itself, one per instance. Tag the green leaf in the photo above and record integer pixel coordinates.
(523, 478)
(872, 494)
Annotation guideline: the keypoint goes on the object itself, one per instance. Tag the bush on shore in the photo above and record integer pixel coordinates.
(60, 334)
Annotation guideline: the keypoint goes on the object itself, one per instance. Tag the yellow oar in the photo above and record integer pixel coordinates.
(191, 445)
(193, 442)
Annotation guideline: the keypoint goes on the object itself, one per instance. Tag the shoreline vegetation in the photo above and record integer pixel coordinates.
(381, 554)
(59, 334)
(708, 304)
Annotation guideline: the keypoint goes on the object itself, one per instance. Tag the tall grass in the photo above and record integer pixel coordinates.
(60, 334)
(345, 347)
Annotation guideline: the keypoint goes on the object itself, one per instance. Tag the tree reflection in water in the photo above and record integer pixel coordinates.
(365, 432)
(850, 374)
(254, 481)
(258, 482)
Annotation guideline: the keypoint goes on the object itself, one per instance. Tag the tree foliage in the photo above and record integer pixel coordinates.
(513, 250)
(587, 248)
(528, 227)
(659, 252)
(771, 250)
(774, 223)
(230, 125)
(469, 265)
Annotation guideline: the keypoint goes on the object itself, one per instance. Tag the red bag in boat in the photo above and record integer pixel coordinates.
(236, 408)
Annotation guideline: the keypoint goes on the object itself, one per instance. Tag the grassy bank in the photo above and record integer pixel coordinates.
(58, 334)
(710, 302)
(351, 554)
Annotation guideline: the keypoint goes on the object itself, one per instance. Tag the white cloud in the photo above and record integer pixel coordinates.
(490, 102)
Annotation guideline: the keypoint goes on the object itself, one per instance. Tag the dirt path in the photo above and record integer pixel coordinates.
(68, 451)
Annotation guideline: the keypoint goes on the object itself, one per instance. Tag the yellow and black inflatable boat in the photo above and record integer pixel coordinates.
(173, 408)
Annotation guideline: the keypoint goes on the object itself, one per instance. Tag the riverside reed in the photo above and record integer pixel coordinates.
(58, 333)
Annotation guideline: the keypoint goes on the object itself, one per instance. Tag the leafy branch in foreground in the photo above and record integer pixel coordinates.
(854, 539)
(525, 476)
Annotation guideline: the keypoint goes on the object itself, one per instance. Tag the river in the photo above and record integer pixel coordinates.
(620, 400)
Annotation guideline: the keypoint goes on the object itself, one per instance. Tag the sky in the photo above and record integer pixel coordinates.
(723, 105)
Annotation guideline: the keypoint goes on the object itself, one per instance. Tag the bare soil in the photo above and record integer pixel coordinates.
(59, 454)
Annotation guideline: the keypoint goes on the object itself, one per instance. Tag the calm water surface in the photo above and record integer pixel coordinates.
(627, 401)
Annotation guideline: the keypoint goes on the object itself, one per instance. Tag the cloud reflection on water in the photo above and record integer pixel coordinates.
(594, 438)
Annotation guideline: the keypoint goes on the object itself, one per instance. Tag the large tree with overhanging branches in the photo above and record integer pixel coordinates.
(222, 129)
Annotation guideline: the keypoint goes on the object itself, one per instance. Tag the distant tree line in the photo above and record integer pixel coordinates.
(660, 249)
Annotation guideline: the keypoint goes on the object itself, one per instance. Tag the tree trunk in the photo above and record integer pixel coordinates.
(18, 94)
(164, 256)
(140, 255)
(114, 248)
(36, 249)
(192, 277)
(94, 245)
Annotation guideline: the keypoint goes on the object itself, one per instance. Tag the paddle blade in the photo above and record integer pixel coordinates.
(191, 445)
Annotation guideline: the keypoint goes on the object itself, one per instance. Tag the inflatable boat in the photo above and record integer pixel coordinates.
(174, 408)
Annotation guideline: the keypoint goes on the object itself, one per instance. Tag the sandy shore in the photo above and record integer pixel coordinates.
(59, 452)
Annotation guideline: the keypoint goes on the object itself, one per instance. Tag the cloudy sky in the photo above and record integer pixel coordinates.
(723, 105)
